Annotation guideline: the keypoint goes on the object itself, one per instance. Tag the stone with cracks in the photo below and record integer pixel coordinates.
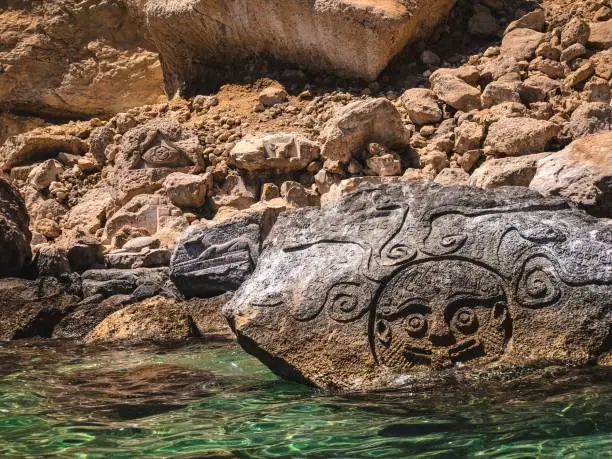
(405, 281)
(354, 38)
(213, 260)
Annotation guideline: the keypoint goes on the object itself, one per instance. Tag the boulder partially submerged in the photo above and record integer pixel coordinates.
(355, 38)
(395, 282)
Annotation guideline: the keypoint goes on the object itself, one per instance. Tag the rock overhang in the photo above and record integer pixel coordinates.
(352, 38)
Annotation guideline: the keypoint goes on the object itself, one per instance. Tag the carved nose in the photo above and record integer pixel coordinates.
(440, 334)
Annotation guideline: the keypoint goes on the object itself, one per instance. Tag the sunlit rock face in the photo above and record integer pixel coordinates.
(355, 38)
(403, 281)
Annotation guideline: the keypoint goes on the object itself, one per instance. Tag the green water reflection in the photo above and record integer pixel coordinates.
(207, 400)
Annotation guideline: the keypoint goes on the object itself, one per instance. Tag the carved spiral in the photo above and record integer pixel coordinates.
(538, 283)
(346, 302)
(399, 252)
(162, 156)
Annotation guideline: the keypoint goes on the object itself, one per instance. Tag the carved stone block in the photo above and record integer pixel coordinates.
(394, 282)
(210, 261)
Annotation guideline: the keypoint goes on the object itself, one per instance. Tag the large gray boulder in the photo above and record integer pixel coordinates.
(403, 281)
(15, 235)
(349, 37)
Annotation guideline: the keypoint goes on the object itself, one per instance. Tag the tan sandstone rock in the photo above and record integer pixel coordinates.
(506, 171)
(68, 57)
(582, 172)
(354, 38)
(519, 136)
(287, 152)
(373, 120)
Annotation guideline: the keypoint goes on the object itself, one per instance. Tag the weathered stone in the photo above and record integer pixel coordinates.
(373, 120)
(483, 24)
(156, 319)
(87, 314)
(519, 136)
(92, 211)
(498, 92)
(51, 261)
(207, 316)
(589, 118)
(148, 213)
(235, 192)
(582, 172)
(15, 234)
(286, 152)
(575, 31)
(452, 177)
(72, 59)
(187, 190)
(110, 282)
(351, 38)
(521, 44)
(86, 253)
(535, 20)
(455, 91)
(538, 88)
(468, 136)
(600, 35)
(399, 282)
(29, 148)
(273, 95)
(506, 171)
(210, 261)
(296, 195)
(31, 309)
(147, 258)
(422, 106)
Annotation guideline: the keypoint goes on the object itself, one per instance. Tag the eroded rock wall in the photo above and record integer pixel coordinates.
(355, 38)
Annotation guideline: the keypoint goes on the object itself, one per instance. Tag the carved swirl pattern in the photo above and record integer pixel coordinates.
(347, 301)
(163, 155)
(537, 283)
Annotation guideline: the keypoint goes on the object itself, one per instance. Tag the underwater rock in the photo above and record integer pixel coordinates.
(401, 281)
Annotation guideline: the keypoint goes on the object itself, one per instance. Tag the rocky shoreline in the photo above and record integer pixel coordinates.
(140, 218)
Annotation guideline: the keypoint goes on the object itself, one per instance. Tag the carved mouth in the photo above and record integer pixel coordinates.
(464, 349)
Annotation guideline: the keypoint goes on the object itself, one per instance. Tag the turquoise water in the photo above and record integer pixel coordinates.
(213, 400)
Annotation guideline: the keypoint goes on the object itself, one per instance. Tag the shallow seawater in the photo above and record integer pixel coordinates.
(213, 400)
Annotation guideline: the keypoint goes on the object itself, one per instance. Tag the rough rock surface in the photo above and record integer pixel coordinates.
(352, 38)
(286, 152)
(210, 261)
(375, 120)
(15, 235)
(582, 172)
(395, 282)
(73, 58)
(506, 171)
(155, 319)
(32, 308)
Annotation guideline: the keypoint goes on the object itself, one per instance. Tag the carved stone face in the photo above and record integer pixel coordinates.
(440, 313)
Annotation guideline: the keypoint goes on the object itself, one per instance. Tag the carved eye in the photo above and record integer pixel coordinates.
(416, 324)
(162, 155)
(465, 320)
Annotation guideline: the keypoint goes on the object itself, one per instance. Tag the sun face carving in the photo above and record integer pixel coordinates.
(440, 313)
